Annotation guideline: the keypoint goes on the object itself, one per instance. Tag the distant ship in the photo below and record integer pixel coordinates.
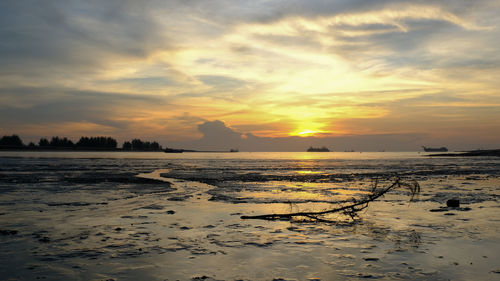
(233, 150)
(435, 149)
(318, 149)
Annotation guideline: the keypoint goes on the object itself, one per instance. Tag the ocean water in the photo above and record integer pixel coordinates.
(160, 216)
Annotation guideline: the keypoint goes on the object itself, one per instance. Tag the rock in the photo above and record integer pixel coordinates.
(455, 203)
(8, 232)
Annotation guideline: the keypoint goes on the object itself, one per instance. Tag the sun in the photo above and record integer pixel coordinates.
(308, 128)
(306, 133)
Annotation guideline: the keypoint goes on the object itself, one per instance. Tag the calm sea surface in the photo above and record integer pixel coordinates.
(407, 163)
(208, 155)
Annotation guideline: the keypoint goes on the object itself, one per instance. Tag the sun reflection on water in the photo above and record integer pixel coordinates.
(280, 191)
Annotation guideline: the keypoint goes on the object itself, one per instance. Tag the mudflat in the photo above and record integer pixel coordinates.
(179, 218)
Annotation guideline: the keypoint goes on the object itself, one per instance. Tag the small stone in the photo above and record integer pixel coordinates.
(455, 203)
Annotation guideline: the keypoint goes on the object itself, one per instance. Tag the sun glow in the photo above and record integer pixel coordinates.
(306, 133)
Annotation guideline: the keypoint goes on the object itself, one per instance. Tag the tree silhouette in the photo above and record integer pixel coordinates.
(139, 145)
(127, 146)
(11, 141)
(61, 142)
(85, 143)
(43, 142)
(96, 142)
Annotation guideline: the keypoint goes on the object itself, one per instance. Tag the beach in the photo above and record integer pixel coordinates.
(159, 216)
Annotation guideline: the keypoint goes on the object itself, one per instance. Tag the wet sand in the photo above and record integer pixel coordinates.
(147, 219)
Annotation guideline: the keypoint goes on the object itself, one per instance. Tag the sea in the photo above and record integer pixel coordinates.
(178, 216)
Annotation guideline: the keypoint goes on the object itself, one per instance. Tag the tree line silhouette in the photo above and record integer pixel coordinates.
(11, 141)
(138, 145)
(85, 143)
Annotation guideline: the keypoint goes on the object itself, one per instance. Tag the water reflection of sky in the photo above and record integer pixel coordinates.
(285, 191)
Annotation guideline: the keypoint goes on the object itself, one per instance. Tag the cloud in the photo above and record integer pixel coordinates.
(52, 107)
(57, 42)
(267, 68)
(222, 82)
(217, 136)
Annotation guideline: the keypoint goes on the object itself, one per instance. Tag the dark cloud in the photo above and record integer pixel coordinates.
(81, 35)
(59, 105)
(217, 136)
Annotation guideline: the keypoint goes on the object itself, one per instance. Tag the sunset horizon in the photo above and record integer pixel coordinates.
(249, 140)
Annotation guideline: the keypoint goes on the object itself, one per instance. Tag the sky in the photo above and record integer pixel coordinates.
(254, 75)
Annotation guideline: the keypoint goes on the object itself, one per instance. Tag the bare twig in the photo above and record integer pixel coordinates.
(351, 210)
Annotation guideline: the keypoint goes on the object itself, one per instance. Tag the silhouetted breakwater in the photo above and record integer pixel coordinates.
(487, 152)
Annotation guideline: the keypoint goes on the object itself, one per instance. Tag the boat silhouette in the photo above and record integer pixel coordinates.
(435, 149)
(318, 149)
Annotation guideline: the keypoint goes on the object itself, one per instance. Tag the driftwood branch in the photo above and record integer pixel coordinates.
(352, 209)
